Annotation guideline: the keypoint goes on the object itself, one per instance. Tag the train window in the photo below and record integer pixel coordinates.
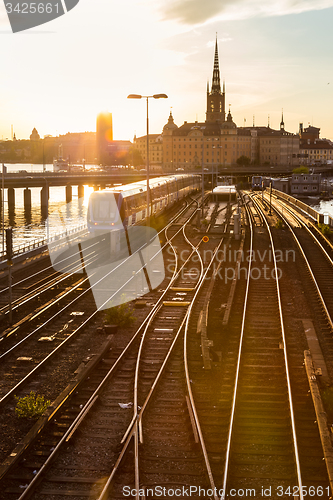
(136, 201)
(105, 208)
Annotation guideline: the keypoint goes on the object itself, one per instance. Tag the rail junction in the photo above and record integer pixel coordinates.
(222, 387)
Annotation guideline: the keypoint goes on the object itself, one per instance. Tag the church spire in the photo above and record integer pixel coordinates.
(282, 122)
(215, 98)
(216, 83)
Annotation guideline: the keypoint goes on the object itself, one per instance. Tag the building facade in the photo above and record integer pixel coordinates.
(313, 150)
(305, 184)
(155, 150)
(218, 140)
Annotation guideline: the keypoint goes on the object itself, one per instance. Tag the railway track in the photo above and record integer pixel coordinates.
(262, 409)
(318, 256)
(266, 450)
(54, 322)
(167, 321)
(312, 467)
(29, 286)
(27, 364)
(180, 407)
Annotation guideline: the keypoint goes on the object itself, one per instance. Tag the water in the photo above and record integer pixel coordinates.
(29, 227)
(322, 206)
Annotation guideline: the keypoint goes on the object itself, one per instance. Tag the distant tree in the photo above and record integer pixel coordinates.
(12, 154)
(301, 170)
(135, 157)
(243, 160)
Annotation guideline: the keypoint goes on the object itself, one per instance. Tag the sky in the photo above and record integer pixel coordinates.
(273, 54)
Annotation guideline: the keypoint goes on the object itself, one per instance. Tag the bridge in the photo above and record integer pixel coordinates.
(101, 179)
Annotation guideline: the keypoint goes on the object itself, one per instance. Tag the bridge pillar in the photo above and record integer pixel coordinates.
(27, 199)
(68, 193)
(80, 191)
(44, 199)
(11, 199)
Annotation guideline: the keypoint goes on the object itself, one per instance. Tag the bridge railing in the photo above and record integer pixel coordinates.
(318, 217)
(32, 244)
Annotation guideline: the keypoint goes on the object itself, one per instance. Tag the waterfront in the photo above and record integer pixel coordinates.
(322, 206)
(31, 225)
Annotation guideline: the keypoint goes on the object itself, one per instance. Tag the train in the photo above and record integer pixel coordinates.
(127, 205)
(256, 183)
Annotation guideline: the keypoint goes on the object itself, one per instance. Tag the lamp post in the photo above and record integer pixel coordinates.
(217, 163)
(202, 169)
(155, 96)
(202, 177)
(43, 156)
(3, 207)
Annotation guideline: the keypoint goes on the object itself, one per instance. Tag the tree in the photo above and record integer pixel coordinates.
(243, 160)
(135, 157)
(301, 170)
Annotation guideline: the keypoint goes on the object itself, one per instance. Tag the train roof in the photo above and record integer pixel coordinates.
(140, 186)
(225, 189)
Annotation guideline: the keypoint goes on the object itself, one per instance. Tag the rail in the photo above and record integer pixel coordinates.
(313, 278)
(291, 404)
(233, 406)
(27, 492)
(134, 430)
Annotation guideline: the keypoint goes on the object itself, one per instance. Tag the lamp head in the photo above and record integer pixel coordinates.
(134, 96)
(160, 96)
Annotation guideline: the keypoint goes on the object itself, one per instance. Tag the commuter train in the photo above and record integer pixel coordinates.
(256, 182)
(127, 205)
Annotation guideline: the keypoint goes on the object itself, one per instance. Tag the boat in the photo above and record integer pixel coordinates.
(76, 168)
(60, 163)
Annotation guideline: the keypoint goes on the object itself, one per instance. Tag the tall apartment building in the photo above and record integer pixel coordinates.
(104, 137)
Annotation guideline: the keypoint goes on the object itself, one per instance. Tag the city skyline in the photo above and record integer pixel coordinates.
(273, 56)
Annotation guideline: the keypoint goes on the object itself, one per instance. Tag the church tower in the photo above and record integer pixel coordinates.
(215, 98)
(282, 122)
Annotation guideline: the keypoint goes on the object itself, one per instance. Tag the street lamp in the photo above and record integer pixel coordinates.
(3, 207)
(202, 169)
(215, 147)
(155, 96)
